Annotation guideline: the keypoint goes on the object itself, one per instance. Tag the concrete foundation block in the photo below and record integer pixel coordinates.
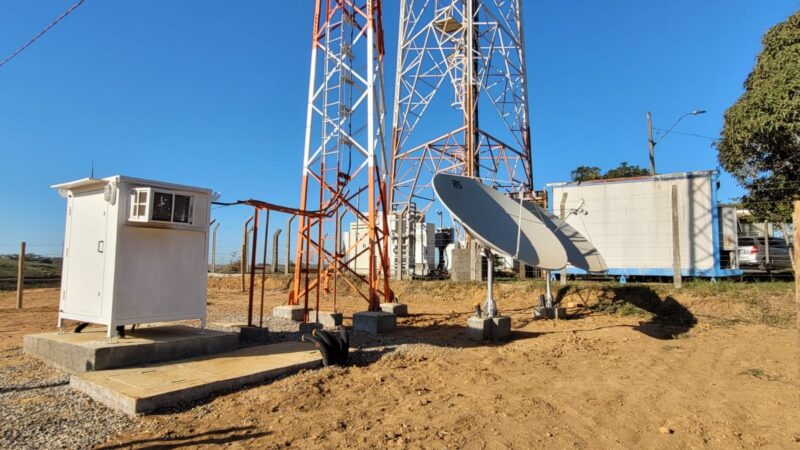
(541, 312)
(327, 319)
(290, 312)
(398, 309)
(308, 327)
(489, 329)
(254, 335)
(479, 328)
(291, 326)
(374, 321)
(501, 328)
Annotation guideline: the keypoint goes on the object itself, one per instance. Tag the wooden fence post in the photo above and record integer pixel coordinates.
(20, 274)
(796, 222)
(563, 211)
(676, 241)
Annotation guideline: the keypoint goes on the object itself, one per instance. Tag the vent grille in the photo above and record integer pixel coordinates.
(162, 206)
(182, 212)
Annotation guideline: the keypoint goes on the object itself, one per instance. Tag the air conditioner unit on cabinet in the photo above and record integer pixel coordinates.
(149, 205)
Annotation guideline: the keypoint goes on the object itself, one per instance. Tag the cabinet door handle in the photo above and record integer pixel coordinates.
(100, 245)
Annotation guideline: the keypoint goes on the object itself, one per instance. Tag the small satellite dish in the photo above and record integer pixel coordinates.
(499, 222)
(580, 252)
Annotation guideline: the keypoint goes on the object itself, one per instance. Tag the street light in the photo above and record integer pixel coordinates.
(653, 143)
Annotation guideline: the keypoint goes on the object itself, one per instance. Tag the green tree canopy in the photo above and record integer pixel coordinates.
(760, 140)
(626, 171)
(587, 173)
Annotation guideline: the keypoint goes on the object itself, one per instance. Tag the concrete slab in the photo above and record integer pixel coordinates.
(143, 389)
(291, 312)
(489, 329)
(90, 350)
(327, 319)
(398, 309)
(374, 321)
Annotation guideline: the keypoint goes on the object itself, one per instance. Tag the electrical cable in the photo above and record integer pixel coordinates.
(41, 33)
(685, 134)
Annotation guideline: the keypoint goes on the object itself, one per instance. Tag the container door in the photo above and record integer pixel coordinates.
(86, 254)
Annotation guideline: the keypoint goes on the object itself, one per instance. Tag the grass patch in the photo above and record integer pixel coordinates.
(761, 374)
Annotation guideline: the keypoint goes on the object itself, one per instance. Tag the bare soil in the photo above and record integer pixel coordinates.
(637, 366)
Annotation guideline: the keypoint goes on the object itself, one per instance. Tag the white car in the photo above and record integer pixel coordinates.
(753, 253)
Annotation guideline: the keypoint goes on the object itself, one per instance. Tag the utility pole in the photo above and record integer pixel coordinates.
(651, 144)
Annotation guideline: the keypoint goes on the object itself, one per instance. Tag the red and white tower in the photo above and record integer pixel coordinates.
(344, 158)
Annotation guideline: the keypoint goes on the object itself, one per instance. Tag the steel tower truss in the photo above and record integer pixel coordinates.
(344, 154)
(473, 51)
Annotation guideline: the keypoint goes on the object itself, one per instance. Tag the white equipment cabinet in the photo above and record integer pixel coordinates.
(135, 251)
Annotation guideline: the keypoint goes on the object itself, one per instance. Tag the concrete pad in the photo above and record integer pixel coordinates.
(143, 389)
(374, 321)
(291, 312)
(489, 329)
(398, 309)
(256, 335)
(327, 319)
(90, 349)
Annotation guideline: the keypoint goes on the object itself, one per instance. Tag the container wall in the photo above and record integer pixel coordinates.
(630, 222)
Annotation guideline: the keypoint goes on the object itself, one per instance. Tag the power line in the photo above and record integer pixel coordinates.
(41, 33)
(688, 134)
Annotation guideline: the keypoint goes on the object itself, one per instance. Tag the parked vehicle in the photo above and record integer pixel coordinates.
(753, 253)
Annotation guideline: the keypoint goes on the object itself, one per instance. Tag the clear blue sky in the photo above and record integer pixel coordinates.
(213, 93)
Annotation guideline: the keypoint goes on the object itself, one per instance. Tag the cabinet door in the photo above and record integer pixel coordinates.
(86, 247)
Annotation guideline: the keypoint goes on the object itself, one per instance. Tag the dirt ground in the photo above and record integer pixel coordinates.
(638, 366)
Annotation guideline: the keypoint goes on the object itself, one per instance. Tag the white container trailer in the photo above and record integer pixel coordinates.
(135, 251)
(629, 220)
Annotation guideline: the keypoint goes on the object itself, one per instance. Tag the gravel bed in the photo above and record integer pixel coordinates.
(38, 410)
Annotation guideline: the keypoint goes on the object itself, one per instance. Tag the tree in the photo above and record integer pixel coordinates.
(623, 170)
(585, 173)
(760, 140)
(626, 171)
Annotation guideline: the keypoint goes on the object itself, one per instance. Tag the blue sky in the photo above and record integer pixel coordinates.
(213, 94)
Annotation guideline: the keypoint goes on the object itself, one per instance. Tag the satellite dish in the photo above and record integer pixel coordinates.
(580, 252)
(499, 222)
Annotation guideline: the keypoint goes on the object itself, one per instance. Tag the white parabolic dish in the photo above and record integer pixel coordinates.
(580, 252)
(498, 222)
